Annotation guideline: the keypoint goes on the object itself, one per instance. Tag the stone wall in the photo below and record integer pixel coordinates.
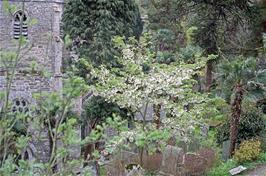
(43, 42)
(43, 49)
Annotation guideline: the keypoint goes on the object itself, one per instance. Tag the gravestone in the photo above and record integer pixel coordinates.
(152, 162)
(225, 150)
(192, 146)
(149, 113)
(194, 164)
(210, 156)
(114, 167)
(204, 130)
(118, 163)
(172, 162)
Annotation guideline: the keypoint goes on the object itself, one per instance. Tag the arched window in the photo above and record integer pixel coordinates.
(20, 105)
(20, 26)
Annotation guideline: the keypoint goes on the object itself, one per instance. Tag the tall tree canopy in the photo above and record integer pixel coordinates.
(93, 23)
(216, 18)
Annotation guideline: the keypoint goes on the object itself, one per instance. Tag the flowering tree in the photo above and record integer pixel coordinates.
(141, 81)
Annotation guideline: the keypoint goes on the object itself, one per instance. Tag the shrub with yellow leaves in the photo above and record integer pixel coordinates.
(249, 150)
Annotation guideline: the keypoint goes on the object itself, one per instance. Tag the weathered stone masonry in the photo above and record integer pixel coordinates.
(44, 48)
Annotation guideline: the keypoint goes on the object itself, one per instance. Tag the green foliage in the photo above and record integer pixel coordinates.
(127, 74)
(249, 150)
(170, 85)
(251, 124)
(207, 21)
(223, 169)
(152, 139)
(8, 7)
(97, 109)
(165, 57)
(93, 24)
(165, 22)
(239, 69)
(165, 15)
(262, 158)
(190, 35)
(244, 71)
(214, 19)
(118, 84)
(51, 114)
(164, 46)
(189, 53)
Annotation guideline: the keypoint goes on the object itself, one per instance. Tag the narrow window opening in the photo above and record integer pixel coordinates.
(20, 26)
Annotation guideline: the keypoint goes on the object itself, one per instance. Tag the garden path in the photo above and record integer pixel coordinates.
(258, 171)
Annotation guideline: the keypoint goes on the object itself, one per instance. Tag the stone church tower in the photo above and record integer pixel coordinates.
(42, 51)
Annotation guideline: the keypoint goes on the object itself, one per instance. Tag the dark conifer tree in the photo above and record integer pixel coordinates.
(93, 23)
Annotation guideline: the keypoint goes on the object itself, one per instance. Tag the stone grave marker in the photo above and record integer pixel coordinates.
(204, 130)
(194, 164)
(172, 162)
(225, 150)
(149, 113)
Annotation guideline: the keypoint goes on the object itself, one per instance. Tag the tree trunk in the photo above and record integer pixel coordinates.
(88, 149)
(211, 48)
(157, 115)
(235, 116)
(209, 71)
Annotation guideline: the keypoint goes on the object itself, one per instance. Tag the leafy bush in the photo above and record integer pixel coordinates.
(189, 53)
(223, 169)
(165, 57)
(251, 125)
(262, 158)
(97, 109)
(249, 150)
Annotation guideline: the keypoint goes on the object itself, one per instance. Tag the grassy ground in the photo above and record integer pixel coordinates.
(256, 168)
